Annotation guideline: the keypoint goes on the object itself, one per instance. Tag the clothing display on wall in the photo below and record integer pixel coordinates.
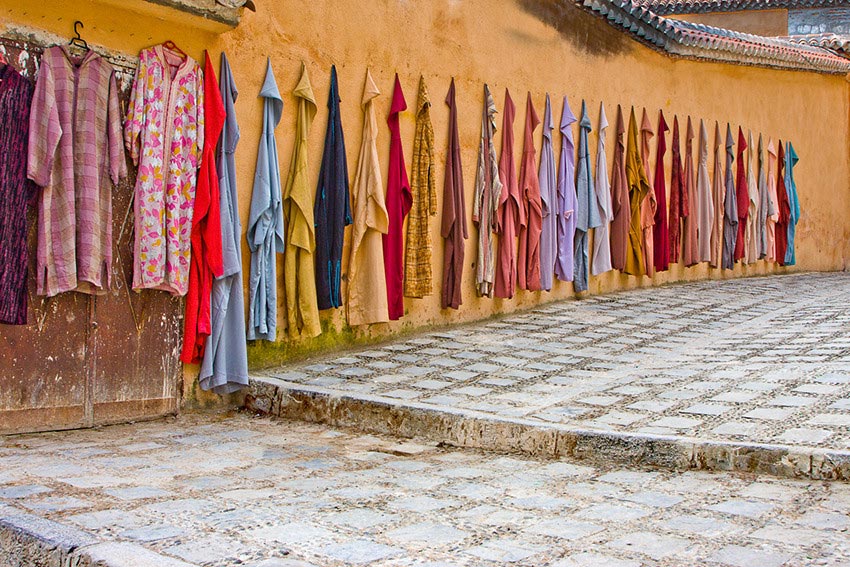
(690, 252)
(485, 204)
(620, 206)
(705, 199)
(678, 196)
(265, 220)
(367, 283)
(453, 225)
(742, 193)
(17, 192)
(791, 160)
(751, 232)
(730, 215)
(164, 133)
(418, 278)
(302, 309)
(509, 217)
(718, 191)
(224, 368)
(648, 205)
(601, 261)
(206, 261)
(660, 232)
(565, 262)
(398, 202)
(528, 256)
(548, 181)
(587, 211)
(332, 208)
(76, 156)
(638, 190)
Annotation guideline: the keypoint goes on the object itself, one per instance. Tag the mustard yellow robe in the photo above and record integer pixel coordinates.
(638, 190)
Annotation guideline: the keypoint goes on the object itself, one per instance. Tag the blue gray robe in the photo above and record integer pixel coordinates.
(265, 221)
(332, 210)
(730, 216)
(549, 199)
(224, 368)
(587, 211)
(791, 160)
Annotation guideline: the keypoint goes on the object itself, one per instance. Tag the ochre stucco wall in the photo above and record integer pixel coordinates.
(525, 45)
(758, 22)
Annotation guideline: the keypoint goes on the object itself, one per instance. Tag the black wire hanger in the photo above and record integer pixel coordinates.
(79, 41)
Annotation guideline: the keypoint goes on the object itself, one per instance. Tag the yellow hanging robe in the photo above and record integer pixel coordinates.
(638, 190)
(367, 285)
(302, 309)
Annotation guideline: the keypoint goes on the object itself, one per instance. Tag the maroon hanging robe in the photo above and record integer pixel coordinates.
(620, 205)
(784, 208)
(510, 215)
(743, 197)
(453, 228)
(661, 235)
(399, 200)
(678, 197)
(528, 259)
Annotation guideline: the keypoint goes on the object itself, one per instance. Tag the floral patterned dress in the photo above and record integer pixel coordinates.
(165, 136)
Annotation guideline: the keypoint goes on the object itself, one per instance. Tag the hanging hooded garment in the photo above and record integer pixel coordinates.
(690, 251)
(730, 216)
(638, 190)
(485, 206)
(398, 201)
(751, 232)
(660, 235)
(164, 133)
(224, 368)
(453, 224)
(510, 214)
(75, 156)
(648, 206)
(265, 220)
(528, 258)
(587, 211)
(743, 198)
(332, 209)
(565, 263)
(718, 191)
(620, 206)
(423, 189)
(791, 160)
(601, 262)
(18, 192)
(206, 260)
(772, 201)
(678, 197)
(705, 207)
(549, 200)
(764, 203)
(784, 208)
(367, 293)
(299, 270)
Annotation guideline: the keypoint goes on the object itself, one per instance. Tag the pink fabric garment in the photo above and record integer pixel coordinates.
(649, 205)
(528, 260)
(660, 234)
(164, 133)
(772, 201)
(742, 193)
(75, 155)
(398, 201)
(690, 250)
(510, 215)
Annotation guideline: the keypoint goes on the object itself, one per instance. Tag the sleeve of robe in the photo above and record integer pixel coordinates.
(198, 148)
(45, 129)
(135, 120)
(114, 136)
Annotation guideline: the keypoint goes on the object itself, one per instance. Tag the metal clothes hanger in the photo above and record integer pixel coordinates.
(78, 41)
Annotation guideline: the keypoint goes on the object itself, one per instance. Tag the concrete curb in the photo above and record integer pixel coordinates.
(470, 429)
(27, 540)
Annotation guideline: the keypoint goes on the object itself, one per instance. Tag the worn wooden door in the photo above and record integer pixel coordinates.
(83, 360)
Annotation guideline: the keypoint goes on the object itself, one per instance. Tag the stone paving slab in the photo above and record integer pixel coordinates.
(225, 490)
(761, 363)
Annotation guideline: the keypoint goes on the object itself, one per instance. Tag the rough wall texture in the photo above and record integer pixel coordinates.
(822, 20)
(758, 22)
(533, 45)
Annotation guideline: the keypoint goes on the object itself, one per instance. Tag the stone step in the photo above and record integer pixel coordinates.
(470, 429)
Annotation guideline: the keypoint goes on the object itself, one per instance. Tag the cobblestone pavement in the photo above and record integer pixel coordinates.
(224, 490)
(758, 360)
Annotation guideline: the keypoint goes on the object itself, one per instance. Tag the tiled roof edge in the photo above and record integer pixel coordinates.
(666, 7)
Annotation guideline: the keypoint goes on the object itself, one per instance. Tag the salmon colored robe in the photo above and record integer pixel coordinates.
(648, 206)
(690, 253)
(751, 232)
(742, 193)
(620, 206)
(528, 258)
(661, 236)
(485, 205)
(718, 191)
(367, 293)
(678, 197)
(511, 215)
(299, 271)
(638, 189)
(453, 230)
(772, 202)
(398, 202)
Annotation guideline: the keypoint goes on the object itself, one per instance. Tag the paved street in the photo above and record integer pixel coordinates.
(239, 490)
(758, 360)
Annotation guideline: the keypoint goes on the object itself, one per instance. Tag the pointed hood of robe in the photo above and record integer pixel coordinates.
(601, 261)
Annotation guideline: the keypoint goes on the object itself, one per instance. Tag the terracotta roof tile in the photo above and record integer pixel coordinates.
(665, 7)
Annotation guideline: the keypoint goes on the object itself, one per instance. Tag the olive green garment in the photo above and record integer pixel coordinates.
(302, 309)
(638, 190)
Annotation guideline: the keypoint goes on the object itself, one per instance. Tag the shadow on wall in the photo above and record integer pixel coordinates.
(584, 31)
